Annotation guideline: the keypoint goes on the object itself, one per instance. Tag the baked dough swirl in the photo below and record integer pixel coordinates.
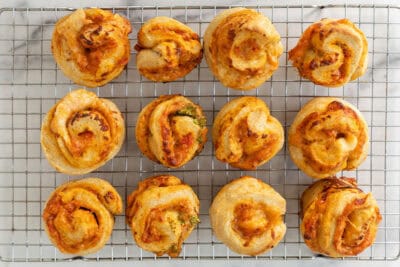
(338, 218)
(328, 135)
(242, 48)
(331, 52)
(91, 46)
(162, 212)
(247, 216)
(81, 132)
(167, 49)
(79, 215)
(171, 130)
(245, 135)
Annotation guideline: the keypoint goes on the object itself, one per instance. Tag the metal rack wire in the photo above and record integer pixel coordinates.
(30, 83)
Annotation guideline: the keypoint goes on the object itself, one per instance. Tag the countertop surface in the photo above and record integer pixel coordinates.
(219, 263)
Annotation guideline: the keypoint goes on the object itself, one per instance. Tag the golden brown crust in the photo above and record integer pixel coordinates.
(338, 218)
(162, 212)
(91, 46)
(81, 132)
(331, 52)
(242, 48)
(328, 135)
(79, 215)
(171, 130)
(245, 135)
(167, 49)
(247, 216)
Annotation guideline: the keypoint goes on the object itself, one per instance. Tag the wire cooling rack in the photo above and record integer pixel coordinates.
(30, 83)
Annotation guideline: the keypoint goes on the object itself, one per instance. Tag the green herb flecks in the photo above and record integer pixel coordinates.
(194, 220)
(199, 139)
(188, 110)
(202, 121)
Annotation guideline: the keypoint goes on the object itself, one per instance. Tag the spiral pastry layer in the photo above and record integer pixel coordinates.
(338, 218)
(81, 132)
(242, 48)
(245, 135)
(91, 46)
(328, 135)
(331, 52)
(247, 216)
(162, 212)
(79, 215)
(171, 130)
(167, 49)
